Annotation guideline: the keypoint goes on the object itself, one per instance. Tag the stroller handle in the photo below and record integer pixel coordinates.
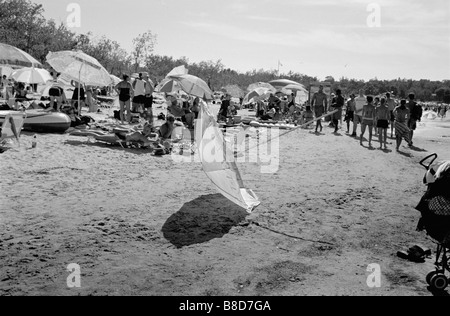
(434, 156)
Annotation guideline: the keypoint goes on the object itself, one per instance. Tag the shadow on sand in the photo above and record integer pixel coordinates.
(437, 293)
(203, 219)
(414, 148)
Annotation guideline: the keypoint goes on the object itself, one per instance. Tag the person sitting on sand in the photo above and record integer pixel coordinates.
(382, 115)
(368, 118)
(165, 131)
(143, 136)
(308, 117)
(402, 131)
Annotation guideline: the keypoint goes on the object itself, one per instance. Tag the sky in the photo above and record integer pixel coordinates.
(360, 39)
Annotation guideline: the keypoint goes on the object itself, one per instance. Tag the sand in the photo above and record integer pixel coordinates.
(137, 224)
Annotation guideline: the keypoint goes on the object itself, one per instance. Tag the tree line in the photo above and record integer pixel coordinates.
(23, 25)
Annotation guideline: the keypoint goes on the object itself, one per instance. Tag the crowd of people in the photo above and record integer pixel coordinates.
(374, 115)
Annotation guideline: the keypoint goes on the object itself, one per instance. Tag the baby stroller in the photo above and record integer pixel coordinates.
(435, 220)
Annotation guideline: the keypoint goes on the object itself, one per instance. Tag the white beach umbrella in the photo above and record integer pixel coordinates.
(281, 83)
(81, 68)
(181, 70)
(115, 80)
(31, 75)
(193, 85)
(6, 71)
(16, 58)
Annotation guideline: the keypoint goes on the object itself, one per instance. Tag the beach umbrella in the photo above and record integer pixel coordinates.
(6, 71)
(294, 88)
(79, 67)
(234, 91)
(181, 70)
(31, 75)
(280, 83)
(257, 94)
(115, 80)
(16, 58)
(168, 86)
(253, 86)
(193, 85)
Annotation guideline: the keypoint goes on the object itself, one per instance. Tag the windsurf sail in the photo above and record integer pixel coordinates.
(219, 163)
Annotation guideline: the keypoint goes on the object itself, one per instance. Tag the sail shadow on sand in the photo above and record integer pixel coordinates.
(203, 219)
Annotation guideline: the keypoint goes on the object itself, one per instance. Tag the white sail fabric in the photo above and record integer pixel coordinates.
(219, 163)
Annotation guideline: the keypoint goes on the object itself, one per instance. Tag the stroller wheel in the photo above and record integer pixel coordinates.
(439, 282)
(430, 275)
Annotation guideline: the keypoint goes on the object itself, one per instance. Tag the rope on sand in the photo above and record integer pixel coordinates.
(291, 236)
(290, 131)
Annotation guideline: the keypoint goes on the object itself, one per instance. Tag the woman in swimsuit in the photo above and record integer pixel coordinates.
(125, 91)
(56, 93)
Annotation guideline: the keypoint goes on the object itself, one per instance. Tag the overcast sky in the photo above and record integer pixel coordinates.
(361, 39)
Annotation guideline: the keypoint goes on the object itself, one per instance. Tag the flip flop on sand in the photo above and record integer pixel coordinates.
(416, 254)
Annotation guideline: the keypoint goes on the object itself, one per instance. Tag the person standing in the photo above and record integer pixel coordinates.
(350, 111)
(125, 91)
(80, 94)
(360, 102)
(402, 131)
(56, 93)
(149, 89)
(338, 105)
(196, 107)
(319, 103)
(415, 115)
(139, 94)
(382, 115)
(3, 85)
(368, 118)
(391, 104)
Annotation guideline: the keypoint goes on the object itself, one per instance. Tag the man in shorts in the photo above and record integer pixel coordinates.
(360, 102)
(319, 104)
(391, 104)
(350, 111)
(139, 95)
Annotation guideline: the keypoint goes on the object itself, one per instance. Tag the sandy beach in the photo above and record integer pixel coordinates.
(137, 224)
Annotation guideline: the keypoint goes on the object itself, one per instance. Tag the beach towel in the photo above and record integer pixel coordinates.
(402, 130)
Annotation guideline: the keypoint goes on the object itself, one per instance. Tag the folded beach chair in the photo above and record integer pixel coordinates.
(12, 127)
